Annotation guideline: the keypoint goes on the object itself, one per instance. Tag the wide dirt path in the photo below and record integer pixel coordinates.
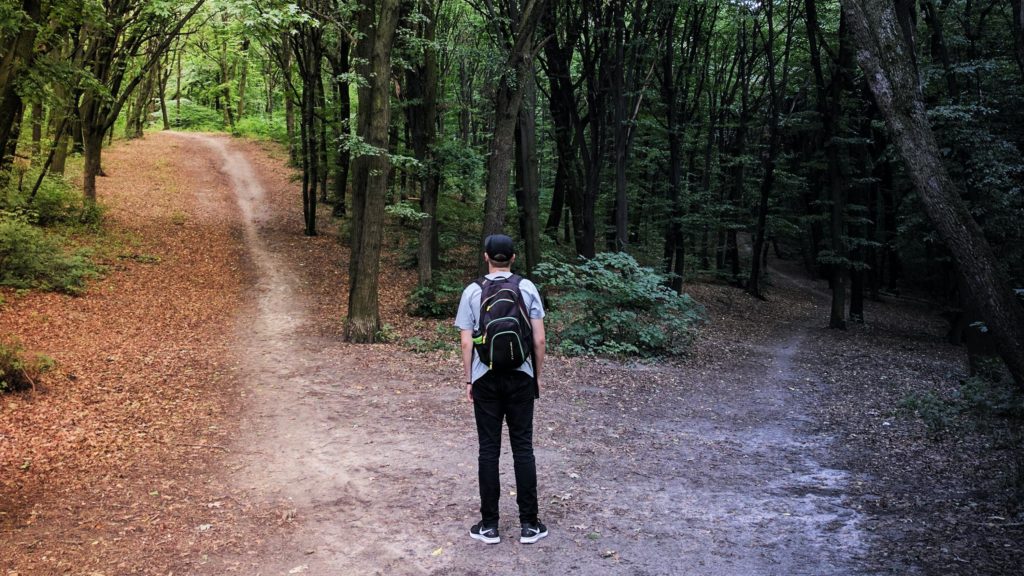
(712, 468)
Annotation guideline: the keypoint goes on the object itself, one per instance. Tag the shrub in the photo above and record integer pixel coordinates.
(611, 305)
(439, 299)
(192, 116)
(56, 202)
(17, 370)
(263, 128)
(30, 258)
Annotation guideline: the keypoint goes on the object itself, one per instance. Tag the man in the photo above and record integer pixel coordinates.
(503, 395)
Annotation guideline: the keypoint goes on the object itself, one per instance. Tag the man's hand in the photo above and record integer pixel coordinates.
(469, 392)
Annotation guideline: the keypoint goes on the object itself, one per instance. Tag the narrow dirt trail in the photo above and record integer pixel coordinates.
(711, 469)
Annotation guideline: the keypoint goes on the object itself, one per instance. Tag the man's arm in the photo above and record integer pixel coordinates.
(539, 343)
(466, 340)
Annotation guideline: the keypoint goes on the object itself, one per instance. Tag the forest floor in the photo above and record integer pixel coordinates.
(206, 418)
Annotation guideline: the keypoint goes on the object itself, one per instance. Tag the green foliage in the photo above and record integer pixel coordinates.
(980, 398)
(406, 213)
(263, 128)
(31, 258)
(444, 339)
(192, 116)
(439, 299)
(611, 305)
(18, 370)
(937, 414)
(386, 333)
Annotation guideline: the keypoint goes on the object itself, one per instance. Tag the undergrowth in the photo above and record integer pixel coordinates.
(20, 370)
(610, 305)
(35, 251)
(981, 402)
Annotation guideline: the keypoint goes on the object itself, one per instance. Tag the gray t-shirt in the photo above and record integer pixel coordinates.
(469, 310)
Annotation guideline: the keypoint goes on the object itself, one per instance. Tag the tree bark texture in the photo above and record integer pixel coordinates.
(378, 20)
(422, 88)
(528, 177)
(508, 98)
(885, 57)
(14, 60)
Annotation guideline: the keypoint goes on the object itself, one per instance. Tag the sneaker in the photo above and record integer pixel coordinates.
(532, 532)
(485, 534)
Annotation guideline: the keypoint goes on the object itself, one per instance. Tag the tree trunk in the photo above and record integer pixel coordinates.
(378, 21)
(289, 100)
(225, 82)
(528, 178)
(1017, 7)
(422, 87)
(243, 77)
(321, 104)
(885, 58)
(674, 248)
(732, 252)
(508, 97)
(37, 128)
(163, 77)
(564, 116)
(93, 141)
(14, 61)
(775, 95)
(342, 158)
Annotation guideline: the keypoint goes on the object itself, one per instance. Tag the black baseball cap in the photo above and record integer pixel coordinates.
(499, 247)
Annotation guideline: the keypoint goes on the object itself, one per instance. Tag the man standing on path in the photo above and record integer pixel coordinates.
(503, 393)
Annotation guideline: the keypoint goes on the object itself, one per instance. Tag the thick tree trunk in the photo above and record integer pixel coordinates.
(378, 22)
(508, 98)
(884, 56)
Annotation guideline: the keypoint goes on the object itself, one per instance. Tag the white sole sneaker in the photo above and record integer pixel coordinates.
(533, 537)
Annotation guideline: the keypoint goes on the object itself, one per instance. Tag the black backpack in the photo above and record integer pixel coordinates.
(504, 339)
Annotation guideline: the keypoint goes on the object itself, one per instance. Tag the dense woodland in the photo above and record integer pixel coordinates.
(877, 141)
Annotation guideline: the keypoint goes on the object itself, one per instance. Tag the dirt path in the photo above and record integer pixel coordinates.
(714, 468)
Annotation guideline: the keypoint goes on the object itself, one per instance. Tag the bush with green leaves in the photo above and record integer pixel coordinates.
(263, 128)
(187, 115)
(31, 258)
(610, 305)
(56, 202)
(18, 370)
(439, 299)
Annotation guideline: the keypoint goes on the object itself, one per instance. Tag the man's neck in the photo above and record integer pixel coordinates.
(494, 269)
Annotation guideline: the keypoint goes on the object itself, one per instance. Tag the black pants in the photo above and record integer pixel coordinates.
(508, 396)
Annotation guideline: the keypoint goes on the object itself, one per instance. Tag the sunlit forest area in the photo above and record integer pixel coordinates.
(650, 158)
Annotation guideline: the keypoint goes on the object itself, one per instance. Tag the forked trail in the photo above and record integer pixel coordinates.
(713, 468)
